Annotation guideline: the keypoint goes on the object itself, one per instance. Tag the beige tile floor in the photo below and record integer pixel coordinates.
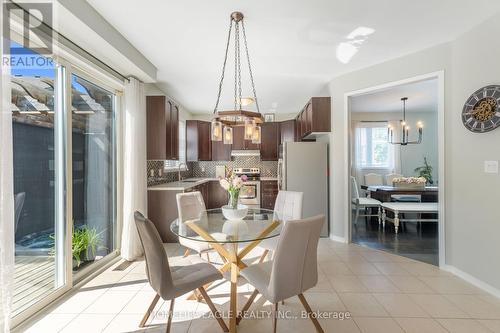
(381, 292)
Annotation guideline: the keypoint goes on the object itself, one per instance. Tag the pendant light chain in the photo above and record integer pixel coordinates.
(223, 66)
(249, 66)
(238, 57)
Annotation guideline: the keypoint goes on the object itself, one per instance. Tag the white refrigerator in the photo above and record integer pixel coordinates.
(303, 167)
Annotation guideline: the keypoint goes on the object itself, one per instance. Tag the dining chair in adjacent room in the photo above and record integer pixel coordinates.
(288, 206)
(390, 177)
(293, 270)
(363, 203)
(190, 206)
(172, 282)
(372, 179)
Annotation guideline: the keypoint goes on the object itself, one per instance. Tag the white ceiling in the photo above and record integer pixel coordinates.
(293, 43)
(422, 97)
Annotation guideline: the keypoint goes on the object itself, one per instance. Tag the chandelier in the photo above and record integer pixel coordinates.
(405, 128)
(224, 121)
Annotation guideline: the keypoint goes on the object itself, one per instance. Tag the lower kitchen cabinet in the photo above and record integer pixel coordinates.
(268, 193)
(217, 196)
(203, 189)
(162, 211)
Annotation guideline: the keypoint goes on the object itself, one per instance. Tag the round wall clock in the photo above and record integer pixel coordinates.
(481, 112)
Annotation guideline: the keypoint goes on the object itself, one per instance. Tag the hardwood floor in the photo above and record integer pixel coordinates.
(413, 241)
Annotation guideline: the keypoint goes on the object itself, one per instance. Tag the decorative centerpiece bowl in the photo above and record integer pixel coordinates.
(238, 213)
(410, 183)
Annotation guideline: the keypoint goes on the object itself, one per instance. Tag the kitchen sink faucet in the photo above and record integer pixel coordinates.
(179, 178)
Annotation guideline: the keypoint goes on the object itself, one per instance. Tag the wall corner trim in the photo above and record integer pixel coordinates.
(338, 239)
(472, 280)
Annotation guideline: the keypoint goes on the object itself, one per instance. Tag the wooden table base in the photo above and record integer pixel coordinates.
(234, 263)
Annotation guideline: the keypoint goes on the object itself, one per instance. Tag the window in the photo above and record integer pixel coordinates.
(372, 148)
(174, 164)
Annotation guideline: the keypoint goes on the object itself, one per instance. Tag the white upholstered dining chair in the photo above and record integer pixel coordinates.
(363, 203)
(190, 207)
(293, 270)
(288, 205)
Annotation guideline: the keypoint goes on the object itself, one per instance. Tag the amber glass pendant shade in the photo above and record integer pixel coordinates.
(216, 130)
(228, 135)
(249, 128)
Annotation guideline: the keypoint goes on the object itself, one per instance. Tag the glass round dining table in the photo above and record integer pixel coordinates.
(232, 239)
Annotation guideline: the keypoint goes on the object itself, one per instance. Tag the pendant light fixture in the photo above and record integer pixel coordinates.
(228, 135)
(405, 128)
(256, 135)
(249, 120)
(216, 130)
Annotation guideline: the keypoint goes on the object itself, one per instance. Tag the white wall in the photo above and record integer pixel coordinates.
(412, 156)
(472, 219)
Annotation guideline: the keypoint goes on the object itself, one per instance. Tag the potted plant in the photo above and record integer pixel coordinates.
(425, 171)
(233, 184)
(78, 246)
(93, 240)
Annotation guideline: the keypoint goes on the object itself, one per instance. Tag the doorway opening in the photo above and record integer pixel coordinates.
(395, 168)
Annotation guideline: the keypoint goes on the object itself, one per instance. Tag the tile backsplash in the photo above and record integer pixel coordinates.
(207, 168)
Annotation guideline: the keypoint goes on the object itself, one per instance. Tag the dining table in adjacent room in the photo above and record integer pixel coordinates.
(383, 193)
(232, 239)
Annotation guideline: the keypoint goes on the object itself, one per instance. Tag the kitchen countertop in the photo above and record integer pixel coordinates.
(190, 183)
(180, 185)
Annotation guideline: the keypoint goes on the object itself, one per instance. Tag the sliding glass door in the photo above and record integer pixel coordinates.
(94, 172)
(64, 161)
(39, 177)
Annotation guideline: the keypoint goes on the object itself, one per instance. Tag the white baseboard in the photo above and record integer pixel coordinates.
(338, 239)
(472, 280)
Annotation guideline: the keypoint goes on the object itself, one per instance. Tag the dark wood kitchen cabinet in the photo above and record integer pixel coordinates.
(162, 122)
(198, 142)
(221, 151)
(174, 132)
(268, 193)
(239, 142)
(204, 190)
(270, 141)
(314, 117)
(217, 196)
(287, 131)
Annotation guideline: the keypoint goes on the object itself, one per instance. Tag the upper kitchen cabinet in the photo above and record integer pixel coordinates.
(221, 151)
(162, 117)
(198, 142)
(270, 141)
(239, 142)
(314, 117)
(287, 131)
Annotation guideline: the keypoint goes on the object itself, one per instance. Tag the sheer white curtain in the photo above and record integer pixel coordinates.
(6, 197)
(134, 166)
(396, 149)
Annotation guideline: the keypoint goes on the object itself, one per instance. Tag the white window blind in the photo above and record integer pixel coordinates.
(174, 164)
(372, 148)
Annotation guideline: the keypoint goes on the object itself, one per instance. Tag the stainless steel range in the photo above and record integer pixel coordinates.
(250, 192)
